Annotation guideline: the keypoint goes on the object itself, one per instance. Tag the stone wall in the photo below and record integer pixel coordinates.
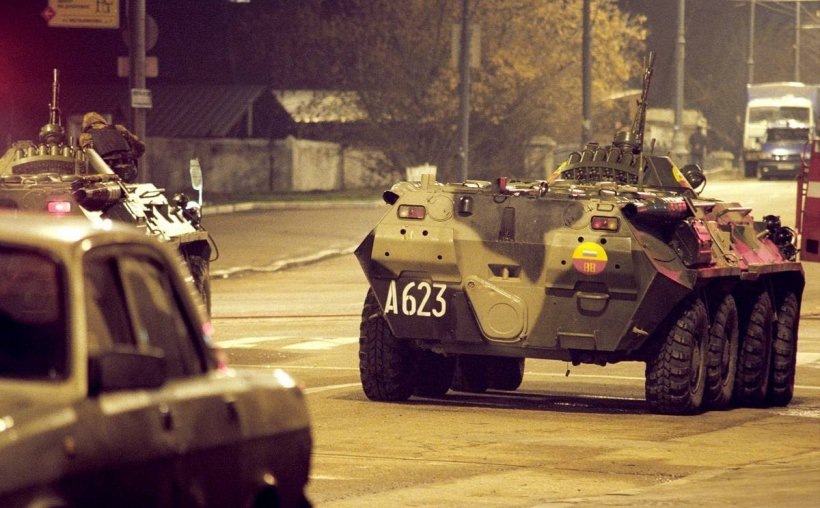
(258, 166)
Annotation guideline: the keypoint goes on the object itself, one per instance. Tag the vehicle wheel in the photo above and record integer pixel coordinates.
(721, 356)
(750, 169)
(198, 266)
(434, 373)
(676, 374)
(784, 353)
(472, 374)
(506, 373)
(386, 364)
(752, 379)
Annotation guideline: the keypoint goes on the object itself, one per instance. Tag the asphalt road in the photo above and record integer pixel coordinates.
(585, 439)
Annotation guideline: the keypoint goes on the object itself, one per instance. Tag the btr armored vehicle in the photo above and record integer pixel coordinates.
(616, 257)
(56, 176)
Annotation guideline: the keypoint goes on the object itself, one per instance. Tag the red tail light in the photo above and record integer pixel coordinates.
(604, 223)
(411, 212)
(59, 207)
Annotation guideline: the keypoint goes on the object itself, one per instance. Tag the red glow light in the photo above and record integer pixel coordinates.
(59, 207)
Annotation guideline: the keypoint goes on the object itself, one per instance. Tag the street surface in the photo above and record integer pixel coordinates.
(288, 293)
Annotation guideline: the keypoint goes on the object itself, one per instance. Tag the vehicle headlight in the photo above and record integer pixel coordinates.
(284, 378)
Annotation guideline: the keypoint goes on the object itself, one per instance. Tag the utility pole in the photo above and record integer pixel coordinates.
(751, 61)
(586, 76)
(136, 77)
(679, 148)
(797, 42)
(464, 103)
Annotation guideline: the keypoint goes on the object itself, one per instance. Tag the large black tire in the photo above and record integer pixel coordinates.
(386, 364)
(199, 268)
(434, 373)
(676, 373)
(472, 374)
(753, 366)
(784, 353)
(506, 373)
(721, 359)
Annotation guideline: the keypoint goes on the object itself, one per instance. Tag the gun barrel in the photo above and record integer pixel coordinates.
(657, 210)
(98, 163)
(54, 108)
(639, 123)
(97, 197)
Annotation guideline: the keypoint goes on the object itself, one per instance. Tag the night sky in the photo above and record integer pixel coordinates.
(191, 35)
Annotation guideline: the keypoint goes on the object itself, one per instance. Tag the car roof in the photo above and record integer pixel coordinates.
(43, 230)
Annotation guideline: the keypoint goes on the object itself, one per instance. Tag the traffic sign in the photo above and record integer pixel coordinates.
(141, 98)
(124, 66)
(82, 13)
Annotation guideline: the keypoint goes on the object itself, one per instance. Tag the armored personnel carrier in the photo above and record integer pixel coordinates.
(615, 257)
(58, 177)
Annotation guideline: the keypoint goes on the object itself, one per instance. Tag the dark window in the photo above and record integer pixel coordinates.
(159, 319)
(131, 300)
(33, 332)
(107, 314)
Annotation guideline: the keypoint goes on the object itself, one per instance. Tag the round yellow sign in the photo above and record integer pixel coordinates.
(589, 258)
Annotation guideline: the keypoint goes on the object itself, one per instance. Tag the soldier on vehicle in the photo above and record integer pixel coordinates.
(118, 146)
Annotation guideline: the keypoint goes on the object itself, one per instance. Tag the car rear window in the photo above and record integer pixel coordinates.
(32, 316)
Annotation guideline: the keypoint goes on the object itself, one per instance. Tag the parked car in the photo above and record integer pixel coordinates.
(111, 393)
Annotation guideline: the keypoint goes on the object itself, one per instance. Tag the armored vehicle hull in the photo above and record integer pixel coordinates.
(614, 258)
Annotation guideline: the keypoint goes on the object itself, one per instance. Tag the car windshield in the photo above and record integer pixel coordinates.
(32, 316)
(773, 114)
(787, 135)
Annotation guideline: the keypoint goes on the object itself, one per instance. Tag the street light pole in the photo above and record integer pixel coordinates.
(464, 103)
(751, 61)
(586, 75)
(136, 26)
(678, 139)
(797, 42)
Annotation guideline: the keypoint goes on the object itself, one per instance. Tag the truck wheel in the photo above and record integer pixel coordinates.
(676, 374)
(506, 373)
(386, 364)
(749, 169)
(434, 373)
(721, 356)
(752, 379)
(472, 374)
(784, 353)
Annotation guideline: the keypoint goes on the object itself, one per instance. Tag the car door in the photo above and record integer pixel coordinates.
(198, 407)
(132, 449)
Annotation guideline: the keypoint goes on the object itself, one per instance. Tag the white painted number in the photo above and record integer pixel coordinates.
(416, 299)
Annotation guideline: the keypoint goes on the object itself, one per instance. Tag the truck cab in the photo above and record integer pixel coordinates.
(780, 152)
(773, 105)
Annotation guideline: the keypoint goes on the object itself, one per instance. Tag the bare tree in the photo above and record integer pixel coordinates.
(397, 57)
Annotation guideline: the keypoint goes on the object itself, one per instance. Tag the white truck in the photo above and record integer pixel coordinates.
(768, 104)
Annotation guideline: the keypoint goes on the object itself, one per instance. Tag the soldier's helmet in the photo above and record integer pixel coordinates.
(91, 119)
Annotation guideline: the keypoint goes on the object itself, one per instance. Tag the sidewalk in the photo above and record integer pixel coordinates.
(287, 205)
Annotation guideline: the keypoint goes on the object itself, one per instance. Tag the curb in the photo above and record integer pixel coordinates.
(208, 210)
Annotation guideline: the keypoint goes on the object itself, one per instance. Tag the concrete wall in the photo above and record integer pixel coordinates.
(258, 166)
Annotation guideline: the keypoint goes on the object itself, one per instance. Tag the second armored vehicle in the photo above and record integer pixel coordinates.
(615, 258)
(56, 176)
